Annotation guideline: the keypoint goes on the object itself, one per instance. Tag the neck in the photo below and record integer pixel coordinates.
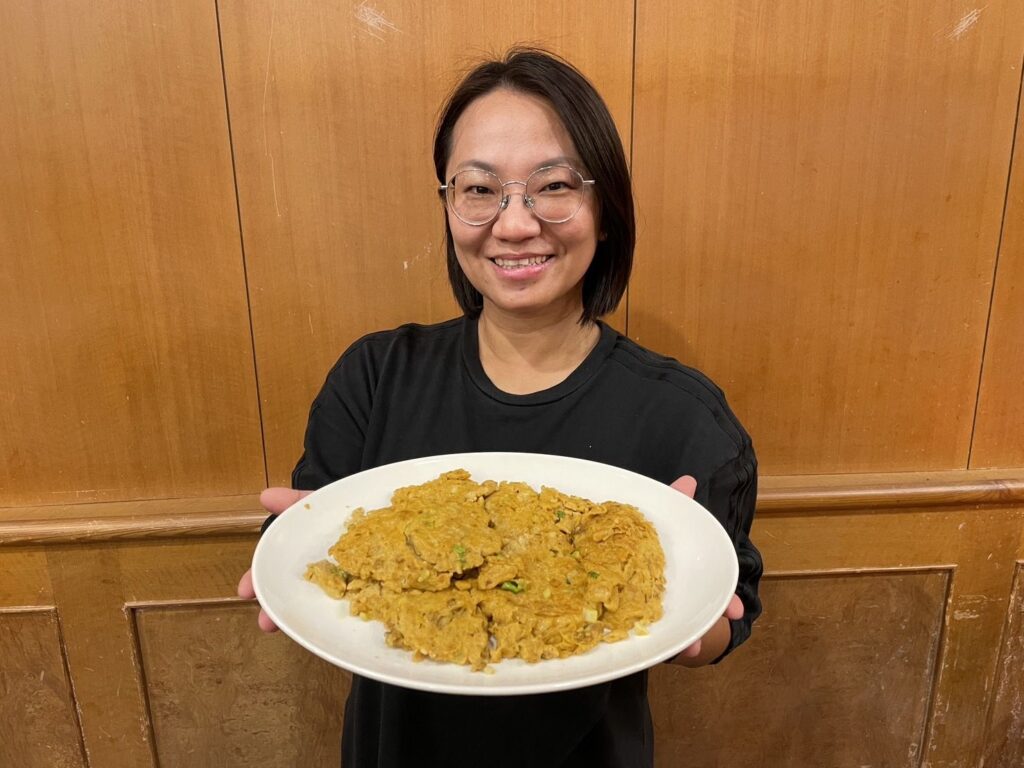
(522, 355)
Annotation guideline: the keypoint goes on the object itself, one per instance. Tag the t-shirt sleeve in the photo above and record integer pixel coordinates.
(731, 494)
(338, 419)
(336, 428)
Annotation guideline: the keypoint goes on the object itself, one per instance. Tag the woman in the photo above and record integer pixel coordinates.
(540, 235)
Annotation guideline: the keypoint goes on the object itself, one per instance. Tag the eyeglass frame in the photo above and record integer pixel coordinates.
(527, 201)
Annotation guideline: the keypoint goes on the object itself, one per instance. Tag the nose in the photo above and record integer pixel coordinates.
(515, 219)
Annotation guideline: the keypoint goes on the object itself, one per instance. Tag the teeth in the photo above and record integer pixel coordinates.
(515, 263)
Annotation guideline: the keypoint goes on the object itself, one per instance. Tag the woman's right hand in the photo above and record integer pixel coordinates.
(275, 501)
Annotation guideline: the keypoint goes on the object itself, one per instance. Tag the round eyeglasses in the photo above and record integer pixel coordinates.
(554, 194)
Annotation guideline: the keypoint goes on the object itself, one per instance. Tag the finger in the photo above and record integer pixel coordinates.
(686, 485)
(277, 500)
(245, 588)
(734, 610)
(691, 651)
(266, 623)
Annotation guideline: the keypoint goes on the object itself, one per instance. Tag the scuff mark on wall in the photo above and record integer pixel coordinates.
(374, 22)
(962, 26)
(273, 182)
(266, 76)
(266, 88)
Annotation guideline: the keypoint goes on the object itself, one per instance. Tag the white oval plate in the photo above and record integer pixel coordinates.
(701, 573)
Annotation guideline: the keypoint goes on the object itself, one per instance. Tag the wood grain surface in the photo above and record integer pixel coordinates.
(38, 722)
(203, 203)
(999, 430)
(332, 115)
(1004, 745)
(126, 367)
(830, 652)
(150, 622)
(239, 515)
(221, 691)
(821, 188)
(25, 581)
(978, 544)
(114, 520)
(90, 594)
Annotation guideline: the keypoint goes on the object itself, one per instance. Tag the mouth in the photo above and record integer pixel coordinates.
(519, 262)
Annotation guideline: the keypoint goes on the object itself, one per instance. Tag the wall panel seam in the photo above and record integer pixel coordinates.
(632, 141)
(142, 682)
(241, 245)
(995, 268)
(940, 650)
(1016, 583)
(69, 678)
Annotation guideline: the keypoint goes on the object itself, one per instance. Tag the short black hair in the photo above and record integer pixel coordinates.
(589, 123)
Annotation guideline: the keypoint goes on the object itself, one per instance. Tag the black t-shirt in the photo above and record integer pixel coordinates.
(420, 391)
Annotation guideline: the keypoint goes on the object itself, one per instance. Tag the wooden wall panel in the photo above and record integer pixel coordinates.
(126, 367)
(834, 172)
(821, 190)
(332, 112)
(90, 594)
(38, 723)
(24, 579)
(839, 672)
(999, 431)
(222, 695)
(168, 664)
(1004, 745)
(976, 542)
(97, 590)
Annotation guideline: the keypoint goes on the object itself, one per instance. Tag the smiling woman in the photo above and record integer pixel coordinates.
(520, 264)
(536, 104)
(540, 232)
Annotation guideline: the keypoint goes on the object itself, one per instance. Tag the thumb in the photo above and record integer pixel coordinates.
(687, 484)
(277, 500)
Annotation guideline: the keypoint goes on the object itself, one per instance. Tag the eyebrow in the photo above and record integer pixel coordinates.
(560, 160)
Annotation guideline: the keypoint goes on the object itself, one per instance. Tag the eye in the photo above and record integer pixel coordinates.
(474, 183)
(554, 181)
(555, 186)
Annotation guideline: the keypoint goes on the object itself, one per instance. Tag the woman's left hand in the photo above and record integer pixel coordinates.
(711, 645)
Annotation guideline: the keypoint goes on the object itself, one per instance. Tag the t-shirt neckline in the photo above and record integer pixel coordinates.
(583, 373)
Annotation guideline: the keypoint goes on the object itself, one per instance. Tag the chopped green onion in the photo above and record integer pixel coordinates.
(460, 552)
(593, 574)
(560, 514)
(513, 585)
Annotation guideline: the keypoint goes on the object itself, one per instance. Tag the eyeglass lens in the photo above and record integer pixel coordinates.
(554, 194)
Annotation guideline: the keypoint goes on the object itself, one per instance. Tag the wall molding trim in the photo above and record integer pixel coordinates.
(242, 515)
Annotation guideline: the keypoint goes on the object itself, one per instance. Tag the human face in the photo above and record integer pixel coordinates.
(520, 264)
